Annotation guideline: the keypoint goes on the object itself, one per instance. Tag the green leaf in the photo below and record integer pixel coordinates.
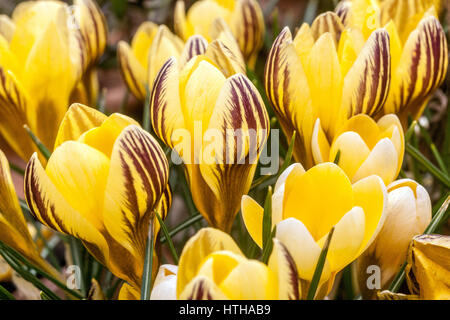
(42, 148)
(169, 239)
(319, 268)
(146, 111)
(44, 296)
(268, 248)
(410, 131)
(146, 286)
(5, 294)
(419, 157)
(25, 274)
(19, 259)
(183, 225)
(338, 156)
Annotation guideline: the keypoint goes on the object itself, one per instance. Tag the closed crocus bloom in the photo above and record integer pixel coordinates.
(305, 207)
(418, 49)
(408, 213)
(244, 18)
(43, 55)
(103, 183)
(365, 147)
(217, 125)
(13, 227)
(325, 72)
(428, 268)
(165, 286)
(212, 267)
(150, 48)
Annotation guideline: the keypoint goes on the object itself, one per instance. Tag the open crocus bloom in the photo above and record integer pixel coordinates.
(213, 267)
(306, 205)
(45, 50)
(419, 52)
(244, 18)
(217, 123)
(103, 183)
(329, 72)
(365, 147)
(408, 213)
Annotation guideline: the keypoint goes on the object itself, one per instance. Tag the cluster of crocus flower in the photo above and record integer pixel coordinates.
(346, 85)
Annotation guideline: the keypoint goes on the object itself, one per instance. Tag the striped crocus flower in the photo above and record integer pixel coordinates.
(419, 52)
(326, 72)
(47, 51)
(103, 184)
(212, 267)
(217, 124)
(244, 18)
(153, 45)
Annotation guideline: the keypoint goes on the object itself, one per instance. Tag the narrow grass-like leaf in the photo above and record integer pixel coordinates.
(410, 131)
(419, 157)
(268, 248)
(319, 268)
(338, 156)
(168, 237)
(182, 226)
(42, 148)
(25, 274)
(146, 286)
(101, 101)
(5, 294)
(21, 259)
(433, 149)
(17, 169)
(44, 296)
(146, 111)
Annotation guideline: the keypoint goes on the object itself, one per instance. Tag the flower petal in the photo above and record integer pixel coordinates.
(49, 206)
(164, 287)
(77, 120)
(283, 265)
(137, 178)
(197, 248)
(366, 84)
(302, 247)
(382, 161)
(252, 214)
(346, 240)
(371, 195)
(304, 198)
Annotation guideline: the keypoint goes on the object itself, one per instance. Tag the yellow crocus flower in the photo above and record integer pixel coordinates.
(14, 231)
(408, 213)
(244, 18)
(150, 48)
(428, 268)
(153, 45)
(327, 72)
(103, 183)
(365, 147)
(419, 52)
(213, 267)
(44, 52)
(306, 205)
(209, 119)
